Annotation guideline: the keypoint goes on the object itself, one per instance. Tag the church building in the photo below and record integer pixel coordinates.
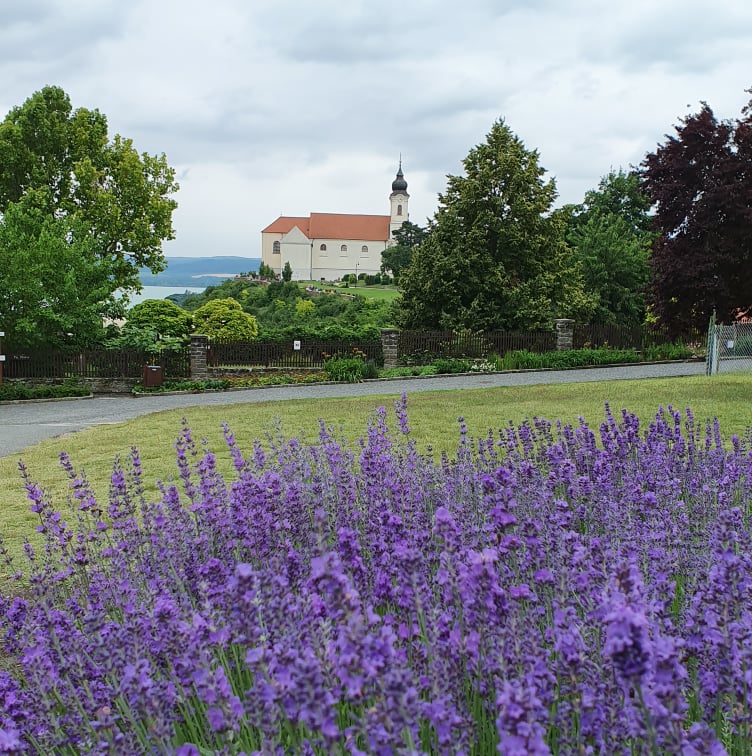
(331, 245)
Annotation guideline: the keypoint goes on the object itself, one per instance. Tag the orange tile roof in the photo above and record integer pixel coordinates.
(284, 224)
(335, 226)
(340, 226)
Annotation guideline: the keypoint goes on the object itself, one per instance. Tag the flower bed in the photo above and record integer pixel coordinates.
(546, 590)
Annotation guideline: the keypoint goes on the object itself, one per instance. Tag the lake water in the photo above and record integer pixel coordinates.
(160, 292)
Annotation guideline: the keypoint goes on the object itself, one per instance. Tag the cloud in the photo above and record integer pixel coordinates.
(287, 106)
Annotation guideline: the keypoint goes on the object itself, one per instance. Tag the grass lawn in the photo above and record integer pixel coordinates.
(433, 419)
(384, 293)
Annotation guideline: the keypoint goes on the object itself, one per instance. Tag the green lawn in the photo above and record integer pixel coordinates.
(384, 293)
(433, 418)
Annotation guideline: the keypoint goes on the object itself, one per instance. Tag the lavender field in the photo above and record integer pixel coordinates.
(546, 589)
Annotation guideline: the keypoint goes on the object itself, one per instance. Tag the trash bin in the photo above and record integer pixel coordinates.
(153, 376)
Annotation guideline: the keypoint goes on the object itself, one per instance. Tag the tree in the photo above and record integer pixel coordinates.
(610, 233)
(154, 324)
(495, 256)
(700, 182)
(225, 319)
(161, 316)
(53, 291)
(287, 272)
(397, 257)
(266, 271)
(115, 201)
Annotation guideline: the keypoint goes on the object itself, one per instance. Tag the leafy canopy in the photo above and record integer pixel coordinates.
(611, 238)
(700, 182)
(495, 256)
(53, 290)
(59, 166)
(225, 319)
(397, 257)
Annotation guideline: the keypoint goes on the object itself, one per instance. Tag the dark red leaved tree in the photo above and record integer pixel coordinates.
(700, 183)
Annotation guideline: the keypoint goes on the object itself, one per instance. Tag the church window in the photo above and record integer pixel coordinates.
(323, 247)
(399, 209)
(364, 250)
(276, 248)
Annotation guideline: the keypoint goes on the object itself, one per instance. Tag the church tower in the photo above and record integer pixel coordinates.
(398, 202)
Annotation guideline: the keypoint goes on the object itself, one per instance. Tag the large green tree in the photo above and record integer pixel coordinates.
(700, 181)
(54, 291)
(495, 256)
(610, 233)
(398, 256)
(115, 201)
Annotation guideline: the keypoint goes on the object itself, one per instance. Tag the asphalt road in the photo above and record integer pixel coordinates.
(27, 423)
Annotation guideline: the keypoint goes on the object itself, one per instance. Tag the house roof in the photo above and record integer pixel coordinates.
(285, 223)
(335, 226)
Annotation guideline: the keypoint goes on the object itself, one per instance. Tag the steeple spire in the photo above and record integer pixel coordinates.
(399, 184)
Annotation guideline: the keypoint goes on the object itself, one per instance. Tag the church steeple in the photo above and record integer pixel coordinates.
(399, 184)
(398, 200)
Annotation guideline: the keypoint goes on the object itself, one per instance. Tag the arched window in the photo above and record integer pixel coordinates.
(343, 249)
(364, 250)
(399, 209)
(276, 248)
(323, 247)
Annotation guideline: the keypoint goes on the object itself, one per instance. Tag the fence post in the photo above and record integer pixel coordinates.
(199, 349)
(390, 347)
(564, 328)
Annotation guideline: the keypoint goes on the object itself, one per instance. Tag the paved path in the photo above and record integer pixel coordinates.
(27, 423)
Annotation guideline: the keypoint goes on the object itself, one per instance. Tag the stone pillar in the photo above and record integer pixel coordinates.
(390, 347)
(564, 328)
(199, 349)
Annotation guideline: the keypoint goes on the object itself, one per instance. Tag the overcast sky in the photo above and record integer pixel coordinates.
(284, 107)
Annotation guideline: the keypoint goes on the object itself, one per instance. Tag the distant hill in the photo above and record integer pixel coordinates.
(199, 271)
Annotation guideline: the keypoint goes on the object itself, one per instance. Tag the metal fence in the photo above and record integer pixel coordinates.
(418, 346)
(99, 363)
(639, 337)
(729, 348)
(288, 354)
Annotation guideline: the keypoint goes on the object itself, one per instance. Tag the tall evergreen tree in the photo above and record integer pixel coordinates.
(700, 181)
(495, 256)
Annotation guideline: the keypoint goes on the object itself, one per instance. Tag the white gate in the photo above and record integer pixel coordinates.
(729, 348)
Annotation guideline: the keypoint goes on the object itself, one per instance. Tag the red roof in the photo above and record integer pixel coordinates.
(284, 224)
(335, 226)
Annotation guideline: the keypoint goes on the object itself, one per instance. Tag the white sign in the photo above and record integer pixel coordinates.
(729, 344)
(2, 358)
(296, 346)
(2, 333)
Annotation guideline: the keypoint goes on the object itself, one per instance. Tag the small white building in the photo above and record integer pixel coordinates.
(331, 245)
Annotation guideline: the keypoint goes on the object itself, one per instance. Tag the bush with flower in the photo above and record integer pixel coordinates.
(546, 589)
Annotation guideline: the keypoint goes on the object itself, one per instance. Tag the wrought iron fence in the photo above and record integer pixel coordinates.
(622, 337)
(288, 354)
(98, 363)
(422, 346)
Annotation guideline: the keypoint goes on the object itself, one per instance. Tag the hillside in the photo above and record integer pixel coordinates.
(199, 271)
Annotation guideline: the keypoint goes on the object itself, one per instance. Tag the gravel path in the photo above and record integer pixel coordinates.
(27, 423)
